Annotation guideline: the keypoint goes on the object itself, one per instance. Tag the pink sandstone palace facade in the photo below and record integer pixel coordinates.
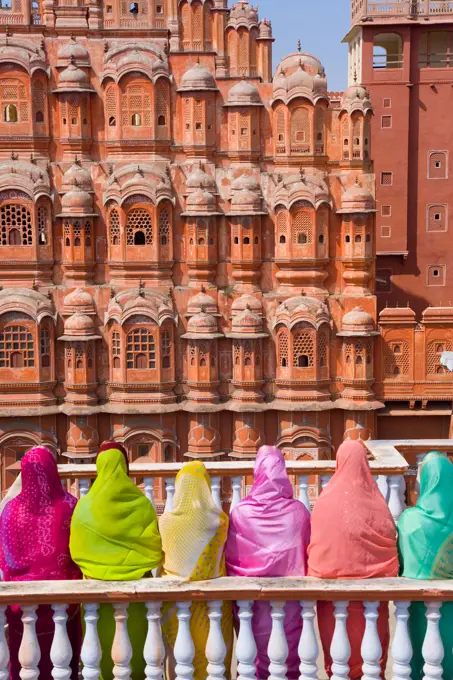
(187, 244)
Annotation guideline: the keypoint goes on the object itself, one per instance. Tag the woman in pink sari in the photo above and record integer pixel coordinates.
(353, 536)
(34, 546)
(268, 536)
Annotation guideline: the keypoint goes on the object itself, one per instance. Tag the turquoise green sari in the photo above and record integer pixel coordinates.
(425, 542)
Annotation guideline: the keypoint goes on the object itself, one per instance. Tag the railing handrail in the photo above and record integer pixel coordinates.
(226, 588)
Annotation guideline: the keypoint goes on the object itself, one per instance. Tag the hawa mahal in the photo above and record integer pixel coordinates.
(188, 243)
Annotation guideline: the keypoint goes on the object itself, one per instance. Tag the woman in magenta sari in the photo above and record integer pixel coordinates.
(268, 536)
(34, 546)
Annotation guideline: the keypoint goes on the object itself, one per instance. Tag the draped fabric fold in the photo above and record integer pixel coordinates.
(268, 536)
(353, 536)
(34, 546)
(425, 542)
(193, 539)
(115, 537)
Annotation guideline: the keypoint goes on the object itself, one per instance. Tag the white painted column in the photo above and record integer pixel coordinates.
(340, 649)
(325, 479)
(215, 646)
(154, 652)
(84, 487)
(433, 649)
(216, 485)
(401, 647)
(149, 490)
(277, 649)
(246, 650)
(303, 491)
(236, 485)
(308, 646)
(184, 649)
(91, 649)
(395, 503)
(61, 650)
(170, 490)
(4, 649)
(29, 651)
(121, 648)
(371, 648)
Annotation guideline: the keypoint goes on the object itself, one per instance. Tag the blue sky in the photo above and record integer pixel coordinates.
(319, 24)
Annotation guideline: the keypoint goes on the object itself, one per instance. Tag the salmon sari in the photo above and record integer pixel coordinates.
(353, 536)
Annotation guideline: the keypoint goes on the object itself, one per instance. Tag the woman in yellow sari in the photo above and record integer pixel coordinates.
(115, 537)
(193, 540)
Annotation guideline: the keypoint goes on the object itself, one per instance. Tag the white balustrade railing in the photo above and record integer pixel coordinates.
(277, 591)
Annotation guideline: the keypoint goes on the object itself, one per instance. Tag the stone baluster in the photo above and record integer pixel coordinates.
(149, 490)
(170, 490)
(433, 649)
(184, 649)
(303, 491)
(4, 649)
(61, 649)
(325, 479)
(29, 651)
(84, 487)
(308, 645)
(395, 502)
(277, 649)
(216, 485)
(215, 646)
(154, 652)
(245, 647)
(121, 648)
(371, 649)
(401, 647)
(340, 649)
(381, 481)
(91, 649)
(236, 485)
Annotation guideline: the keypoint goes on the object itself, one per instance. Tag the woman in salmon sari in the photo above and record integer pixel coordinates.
(193, 540)
(115, 537)
(34, 546)
(353, 536)
(425, 541)
(268, 536)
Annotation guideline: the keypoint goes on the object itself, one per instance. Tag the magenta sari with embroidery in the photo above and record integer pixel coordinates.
(268, 536)
(34, 546)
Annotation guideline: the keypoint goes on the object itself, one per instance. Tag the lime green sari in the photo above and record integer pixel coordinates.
(425, 542)
(115, 537)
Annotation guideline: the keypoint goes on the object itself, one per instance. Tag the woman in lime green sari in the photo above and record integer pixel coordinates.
(115, 537)
(425, 542)
(193, 539)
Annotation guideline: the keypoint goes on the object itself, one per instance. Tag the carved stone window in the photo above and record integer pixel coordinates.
(139, 228)
(136, 106)
(114, 221)
(44, 343)
(43, 237)
(141, 349)
(303, 349)
(116, 349)
(16, 225)
(166, 349)
(14, 101)
(16, 348)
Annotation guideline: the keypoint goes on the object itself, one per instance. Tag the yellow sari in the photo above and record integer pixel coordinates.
(193, 540)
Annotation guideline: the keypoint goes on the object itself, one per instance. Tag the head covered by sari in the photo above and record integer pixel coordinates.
(194, 532)
(269, 529)
(425, 533)
(353, 534)
(34, 529)
(112, 444)
(114, 531)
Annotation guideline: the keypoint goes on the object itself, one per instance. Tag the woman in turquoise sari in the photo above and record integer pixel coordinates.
(425, 542)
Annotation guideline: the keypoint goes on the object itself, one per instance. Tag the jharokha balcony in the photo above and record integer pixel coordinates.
(229, 482)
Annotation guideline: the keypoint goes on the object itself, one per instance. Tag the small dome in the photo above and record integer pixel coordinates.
(201, 200)
(247, 322)
(78, 300)
(243, 11)
(246, 199)
(79, 324)
(244, 94)
(356, 92)
(244, 302)
(77, 202)
(198, 77)
(202, 323)
(73, 50)
(357, 320)
(245, 182)
(357, 199)
(202, 301)
(299, 78)
(265, 29)
(73, 77)
(76, 176)
(198, 179)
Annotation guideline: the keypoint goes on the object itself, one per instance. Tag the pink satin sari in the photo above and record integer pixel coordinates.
(34, 546)
(268, 536)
